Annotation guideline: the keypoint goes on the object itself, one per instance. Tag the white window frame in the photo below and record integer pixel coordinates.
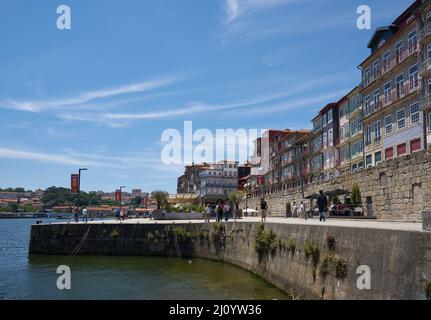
(391, 125)
(331, 118)
(400, 93)
(412, 41)
(413, 76)
(376, 68)
(368, 138)
(367, 74)
(418, 113)
(371, 162)
(388, 98)
(399, 45)
(387, 60)
(330, 137)
(378, 162)
(403, 119)
(367, 102)
(377, 131)
(376, 103)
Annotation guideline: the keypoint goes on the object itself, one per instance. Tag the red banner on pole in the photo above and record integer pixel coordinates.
(74, 182)
(117, 195)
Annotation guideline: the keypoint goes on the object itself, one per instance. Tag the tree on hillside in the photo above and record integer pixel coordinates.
(137, 201)
(161, 197)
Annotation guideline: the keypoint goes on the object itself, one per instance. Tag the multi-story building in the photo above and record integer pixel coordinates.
(355, 130)
(343, 145)
(292, 149)
(390, 89)
(350, 143)
(260, 180)
(330, 136)
(188, 182)
(425, 65)
(217, 180)
(315, 149)
(136, 193)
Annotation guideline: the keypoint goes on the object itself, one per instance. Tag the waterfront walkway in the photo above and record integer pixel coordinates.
(350, 223)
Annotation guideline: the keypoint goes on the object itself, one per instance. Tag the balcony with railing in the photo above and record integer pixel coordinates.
(387, 66)
(425, 67)
(425, 31)
(400, 92)
(426, 101)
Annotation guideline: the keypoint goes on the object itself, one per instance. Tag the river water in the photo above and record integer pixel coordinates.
(124, 278)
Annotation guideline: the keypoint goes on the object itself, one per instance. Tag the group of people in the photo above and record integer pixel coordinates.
(222, 209)
(320, 208)
(85, 215)
(120, 214)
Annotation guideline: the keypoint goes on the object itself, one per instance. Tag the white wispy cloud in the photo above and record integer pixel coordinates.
(49, 157)
(85, 97)
(312, 101)
(123, 119)
(236, 8)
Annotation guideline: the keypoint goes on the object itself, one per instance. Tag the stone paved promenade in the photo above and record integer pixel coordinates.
(370, 224)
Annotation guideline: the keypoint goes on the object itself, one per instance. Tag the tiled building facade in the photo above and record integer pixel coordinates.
(388, 115)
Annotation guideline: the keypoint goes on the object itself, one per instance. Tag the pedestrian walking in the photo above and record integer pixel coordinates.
(219, 211)
(117, 213)
(322, 203)
(77, 215)
(207, 213)
(294, 210)
(263, 209)
(84, 215)
(303, 210)
(226, 210)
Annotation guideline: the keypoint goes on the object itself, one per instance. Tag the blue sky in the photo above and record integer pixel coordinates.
(100, 95)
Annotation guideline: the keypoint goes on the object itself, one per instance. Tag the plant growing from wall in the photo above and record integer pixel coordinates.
(181, 235)
(355, 196)
(330, 241)
(150, 236)
(217, 232)
(291, 245)
(203, 234)
(324, 266)
(115, 233)
(264, 242)
(427, 288)
(340, 265)
(312, 251)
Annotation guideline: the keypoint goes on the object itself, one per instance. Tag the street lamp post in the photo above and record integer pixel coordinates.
(79, 186)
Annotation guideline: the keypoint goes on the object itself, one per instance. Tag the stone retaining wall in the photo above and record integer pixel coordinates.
(314, 261)
(397, 189)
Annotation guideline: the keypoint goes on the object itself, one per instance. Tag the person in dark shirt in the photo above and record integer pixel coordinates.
(263, 209)
(322, 203)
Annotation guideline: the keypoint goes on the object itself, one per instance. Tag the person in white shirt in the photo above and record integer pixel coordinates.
(84, 215)
(208, 211)
(303, 210)
(294, 210)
